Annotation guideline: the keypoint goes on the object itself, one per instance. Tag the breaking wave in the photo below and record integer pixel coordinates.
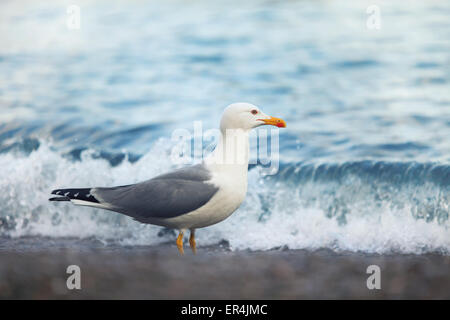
(365, 206)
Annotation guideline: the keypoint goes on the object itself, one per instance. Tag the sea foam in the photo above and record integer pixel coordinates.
(360, 206)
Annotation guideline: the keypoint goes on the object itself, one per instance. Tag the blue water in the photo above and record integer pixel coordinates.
(365, 159)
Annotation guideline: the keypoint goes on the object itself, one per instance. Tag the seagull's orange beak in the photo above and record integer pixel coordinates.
(274, 122)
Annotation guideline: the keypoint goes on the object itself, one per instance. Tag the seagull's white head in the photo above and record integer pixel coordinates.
(246, 116)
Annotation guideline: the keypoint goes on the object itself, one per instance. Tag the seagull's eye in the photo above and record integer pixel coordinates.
(254, 111)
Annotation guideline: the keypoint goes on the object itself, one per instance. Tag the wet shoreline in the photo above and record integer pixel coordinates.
(35, 268)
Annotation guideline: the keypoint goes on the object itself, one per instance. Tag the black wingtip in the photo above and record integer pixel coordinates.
(77, 194)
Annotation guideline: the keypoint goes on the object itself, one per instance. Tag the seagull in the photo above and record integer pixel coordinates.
(191, 197)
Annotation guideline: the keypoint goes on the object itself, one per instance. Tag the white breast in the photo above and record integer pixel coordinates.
(230, 177)
(232, 190)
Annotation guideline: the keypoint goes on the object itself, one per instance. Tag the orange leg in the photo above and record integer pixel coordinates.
(192, 241)
(180, 242)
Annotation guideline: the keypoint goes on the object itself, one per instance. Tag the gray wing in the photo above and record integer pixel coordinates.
(165, 196)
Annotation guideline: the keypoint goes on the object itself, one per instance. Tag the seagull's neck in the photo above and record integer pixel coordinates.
(232, 152)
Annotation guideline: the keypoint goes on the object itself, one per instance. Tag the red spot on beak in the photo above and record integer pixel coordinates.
(275, 122)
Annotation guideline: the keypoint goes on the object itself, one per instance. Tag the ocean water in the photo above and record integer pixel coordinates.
(364, 161)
